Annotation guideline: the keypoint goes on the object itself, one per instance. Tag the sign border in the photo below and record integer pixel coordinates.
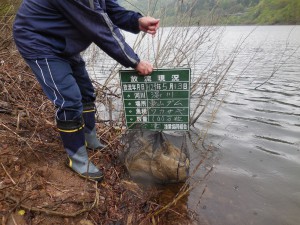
(156, 70)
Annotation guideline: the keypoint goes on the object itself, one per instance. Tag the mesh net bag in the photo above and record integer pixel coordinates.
(157, 156)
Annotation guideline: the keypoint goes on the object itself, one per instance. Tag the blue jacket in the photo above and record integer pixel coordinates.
(64, 28)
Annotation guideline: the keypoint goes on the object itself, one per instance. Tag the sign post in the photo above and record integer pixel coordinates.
(157, 102)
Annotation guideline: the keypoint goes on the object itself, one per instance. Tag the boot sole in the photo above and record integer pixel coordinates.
(97, 179)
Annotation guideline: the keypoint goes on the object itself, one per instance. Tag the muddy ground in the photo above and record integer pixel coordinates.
(36, 187)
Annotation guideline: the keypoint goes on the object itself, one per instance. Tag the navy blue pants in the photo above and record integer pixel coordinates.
(66, 83)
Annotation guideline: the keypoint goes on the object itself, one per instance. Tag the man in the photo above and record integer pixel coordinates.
(50, 34)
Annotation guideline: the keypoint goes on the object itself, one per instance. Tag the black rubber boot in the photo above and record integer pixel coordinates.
(92, 142)
(72, 135)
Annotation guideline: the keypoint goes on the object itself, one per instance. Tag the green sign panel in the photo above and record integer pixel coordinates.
(157, 102)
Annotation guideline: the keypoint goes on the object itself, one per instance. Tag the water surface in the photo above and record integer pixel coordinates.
(256, 179)
(256, 134)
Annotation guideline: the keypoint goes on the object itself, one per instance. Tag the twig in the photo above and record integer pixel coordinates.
(57, 213)
(51, 184)
(281, 62)
(181, 195)
(12, 180)
(20, 138)
(13, 219)
(204, 189)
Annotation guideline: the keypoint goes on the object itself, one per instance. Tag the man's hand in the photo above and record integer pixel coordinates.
(148, 24)
(144, 68)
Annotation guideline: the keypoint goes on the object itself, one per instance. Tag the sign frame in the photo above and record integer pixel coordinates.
(163, 91)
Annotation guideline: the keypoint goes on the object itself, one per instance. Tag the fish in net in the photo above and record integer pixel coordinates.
(157, 156)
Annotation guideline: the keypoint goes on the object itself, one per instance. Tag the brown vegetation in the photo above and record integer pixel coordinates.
(35, 185)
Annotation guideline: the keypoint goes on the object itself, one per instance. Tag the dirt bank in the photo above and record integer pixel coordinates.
(35, 185)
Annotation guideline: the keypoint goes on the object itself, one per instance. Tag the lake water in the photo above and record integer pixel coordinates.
(256, 133)
(256, 178)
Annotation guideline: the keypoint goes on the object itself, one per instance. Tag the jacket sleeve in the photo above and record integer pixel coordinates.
(96, 26)
(123, 18)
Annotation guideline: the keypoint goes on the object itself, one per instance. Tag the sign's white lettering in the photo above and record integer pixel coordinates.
(156, 102)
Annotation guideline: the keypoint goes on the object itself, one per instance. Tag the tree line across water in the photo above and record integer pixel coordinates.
(220, 12)
(206, 12)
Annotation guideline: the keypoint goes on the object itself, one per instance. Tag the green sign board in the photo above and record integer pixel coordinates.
(160, 101)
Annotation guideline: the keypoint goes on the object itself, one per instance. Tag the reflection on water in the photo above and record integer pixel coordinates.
(256, 179)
